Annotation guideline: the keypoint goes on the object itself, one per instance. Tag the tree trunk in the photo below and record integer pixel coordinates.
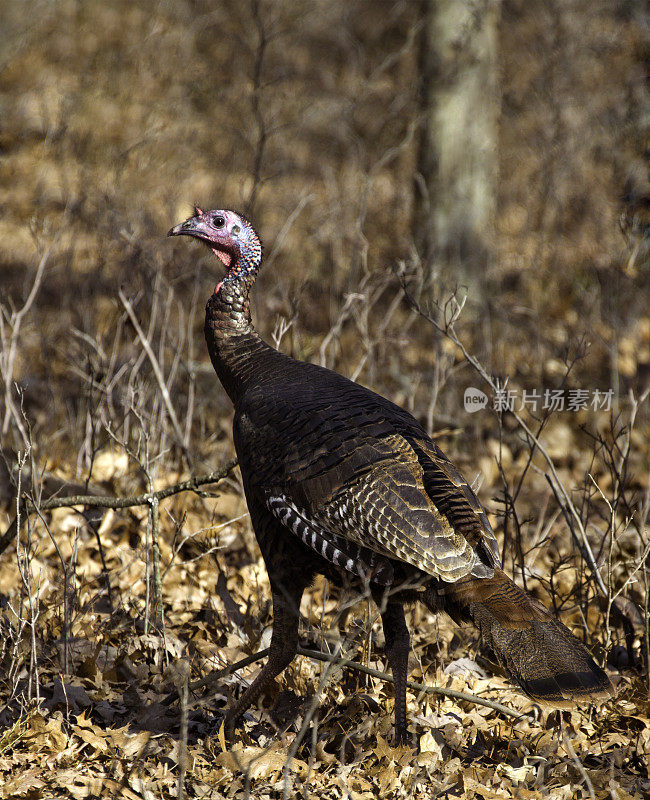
(455, 195)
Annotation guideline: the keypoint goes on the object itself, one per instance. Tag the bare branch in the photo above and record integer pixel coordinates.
(25, 505)
(341, 662)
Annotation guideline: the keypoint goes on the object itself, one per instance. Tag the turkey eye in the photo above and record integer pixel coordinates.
(218, 221)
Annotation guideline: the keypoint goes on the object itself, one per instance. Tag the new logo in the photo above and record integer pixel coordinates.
(474, 399)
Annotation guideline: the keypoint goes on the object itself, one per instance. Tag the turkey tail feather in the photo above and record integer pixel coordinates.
(537, 650)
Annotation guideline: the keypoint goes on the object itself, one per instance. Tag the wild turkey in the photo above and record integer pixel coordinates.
(340, 481)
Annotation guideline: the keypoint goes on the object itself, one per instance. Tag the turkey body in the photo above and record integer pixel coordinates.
(342, 482)
(354, 477)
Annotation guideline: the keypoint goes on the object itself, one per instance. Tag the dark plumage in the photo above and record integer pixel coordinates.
(342, 482)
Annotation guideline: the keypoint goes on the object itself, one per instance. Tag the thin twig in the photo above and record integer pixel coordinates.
(183, 674)
(155, 547)
(416, 687)
(282, 235)
(256, 104)
(579, 766)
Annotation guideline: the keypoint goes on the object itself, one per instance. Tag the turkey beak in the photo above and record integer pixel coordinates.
(183, 229)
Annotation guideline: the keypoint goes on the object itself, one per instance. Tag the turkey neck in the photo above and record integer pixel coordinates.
(234, 345)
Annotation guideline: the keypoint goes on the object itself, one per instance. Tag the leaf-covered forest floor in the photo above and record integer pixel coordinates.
(114, 119)
(111, 722)
(107, 726)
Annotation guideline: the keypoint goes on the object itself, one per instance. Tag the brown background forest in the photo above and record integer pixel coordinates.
(116, 117)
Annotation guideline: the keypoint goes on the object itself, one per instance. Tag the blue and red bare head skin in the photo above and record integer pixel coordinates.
(231, 238)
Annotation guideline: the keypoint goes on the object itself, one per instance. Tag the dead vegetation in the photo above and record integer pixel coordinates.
(115, 118)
